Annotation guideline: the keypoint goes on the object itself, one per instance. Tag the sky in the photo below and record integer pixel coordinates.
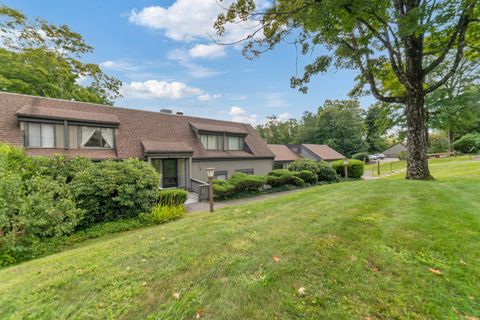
(165, 56)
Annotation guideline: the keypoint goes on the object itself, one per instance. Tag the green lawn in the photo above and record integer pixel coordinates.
(388, 167)
(360, 250)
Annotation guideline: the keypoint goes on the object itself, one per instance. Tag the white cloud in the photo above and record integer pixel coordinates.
(207, 96)
(239, 114)
(275, 100)
(193, 69)
(207, 51)
(119, 65)
(188, 20)
(151, 89)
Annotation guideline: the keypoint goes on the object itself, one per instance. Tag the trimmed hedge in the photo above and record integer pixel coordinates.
(469, 143)
(222, 189)
(172, 197)
(326, 173)
(112, 190)
(246, 182)
(307, 176)
(303, 164)
(355, 168)
(362, 156)
(281, 177)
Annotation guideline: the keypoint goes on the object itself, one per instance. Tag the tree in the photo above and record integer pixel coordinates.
(340, 125)
(275, 131)
(378, 120)
(39, 58)
(394, 45)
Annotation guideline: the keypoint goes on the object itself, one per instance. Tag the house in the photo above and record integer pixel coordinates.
(283, 156)
(394, 150)
(177, 146)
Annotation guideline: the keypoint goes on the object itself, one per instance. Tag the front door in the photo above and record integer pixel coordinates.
(169, 173)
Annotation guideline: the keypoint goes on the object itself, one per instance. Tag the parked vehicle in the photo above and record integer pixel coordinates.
(373, 157)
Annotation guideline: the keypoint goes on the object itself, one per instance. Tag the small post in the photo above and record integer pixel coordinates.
(345, 165)
(210, 175)
(391, 167)
(378, 167)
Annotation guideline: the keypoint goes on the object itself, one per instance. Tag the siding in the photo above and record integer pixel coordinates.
(260, 167)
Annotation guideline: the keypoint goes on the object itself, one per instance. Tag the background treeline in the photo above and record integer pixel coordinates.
(349, 129)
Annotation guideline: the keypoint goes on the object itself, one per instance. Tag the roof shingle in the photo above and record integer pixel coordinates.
(283, 152)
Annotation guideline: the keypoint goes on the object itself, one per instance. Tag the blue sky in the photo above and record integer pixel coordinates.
(163, 53)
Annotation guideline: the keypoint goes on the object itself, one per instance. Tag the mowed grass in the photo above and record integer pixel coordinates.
(360, 250)
(388, 167)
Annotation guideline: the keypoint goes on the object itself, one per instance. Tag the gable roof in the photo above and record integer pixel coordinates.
(323, 152)
(135, 128)
(59, 114)
(283, 152)
(394, 145)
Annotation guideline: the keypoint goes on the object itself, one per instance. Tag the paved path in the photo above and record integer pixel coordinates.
(204, 205)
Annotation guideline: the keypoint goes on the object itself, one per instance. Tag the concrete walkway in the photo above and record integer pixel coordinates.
(204, 206)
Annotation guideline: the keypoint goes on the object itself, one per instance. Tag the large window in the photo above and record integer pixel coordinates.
(234, 143)
(92, 137)
(209, 141)
(40, 135)
(221, 175)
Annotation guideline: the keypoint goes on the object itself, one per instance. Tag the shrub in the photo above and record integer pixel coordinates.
(303, 164)
(469, 143)
(31, 209)
(222, 189)
(282, 177)
(58, 167)
(438, 143)
(355, 168)
(111, 190)
(162, 214)
(326, 173)
(246, 182)
(362, 156)
(307, 176)
(173, 197)
(402, 155)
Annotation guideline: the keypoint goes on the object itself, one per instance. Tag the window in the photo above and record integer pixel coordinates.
(277, 165)
(234, 143)
(246, 171)
(209, 141)
(220, 175)
(40, 135)
(92, 137)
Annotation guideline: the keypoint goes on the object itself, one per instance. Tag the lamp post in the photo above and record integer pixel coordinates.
(345, 166)
(210, 174)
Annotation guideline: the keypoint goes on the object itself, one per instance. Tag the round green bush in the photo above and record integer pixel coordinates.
(282, 177)
(307, 176)
(469, 143)
(222, 189)
(246, 182)
(326, 173)
(355, 168)
(303, 164)
(110, 190)
(362, 156)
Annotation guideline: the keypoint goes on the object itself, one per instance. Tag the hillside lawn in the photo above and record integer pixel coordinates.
(377, 249)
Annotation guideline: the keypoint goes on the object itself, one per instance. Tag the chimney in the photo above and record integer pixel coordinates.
(166, 111)
(180, 113)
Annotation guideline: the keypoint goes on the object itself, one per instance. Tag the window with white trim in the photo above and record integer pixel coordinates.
(40, 135)
(210, 141)
(93, 137)
(234, 143)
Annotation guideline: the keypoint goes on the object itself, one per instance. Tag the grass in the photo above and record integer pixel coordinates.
(360, 250)
(388, 167)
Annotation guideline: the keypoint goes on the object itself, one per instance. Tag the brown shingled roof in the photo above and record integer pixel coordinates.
(135, 127)
(163, 147)
(324, 152)
(59, 114)
(283, 152)
(217, 128)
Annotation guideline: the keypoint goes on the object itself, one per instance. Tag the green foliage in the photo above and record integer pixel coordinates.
(438, 143)
(246, 182)
(162, 214)
(222, 189)
(469, 143)
(355, 168)
(172, 197)
(112, 190)
(303, 164)
(42, 59)
(275, 131)
(282, 177)
(307, 176)
(378, 120)
(59, 167)
(362, 156)
(402, 155)
(326, 173)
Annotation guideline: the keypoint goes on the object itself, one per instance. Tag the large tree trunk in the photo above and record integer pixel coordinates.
(417, 163)
(450, 138)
